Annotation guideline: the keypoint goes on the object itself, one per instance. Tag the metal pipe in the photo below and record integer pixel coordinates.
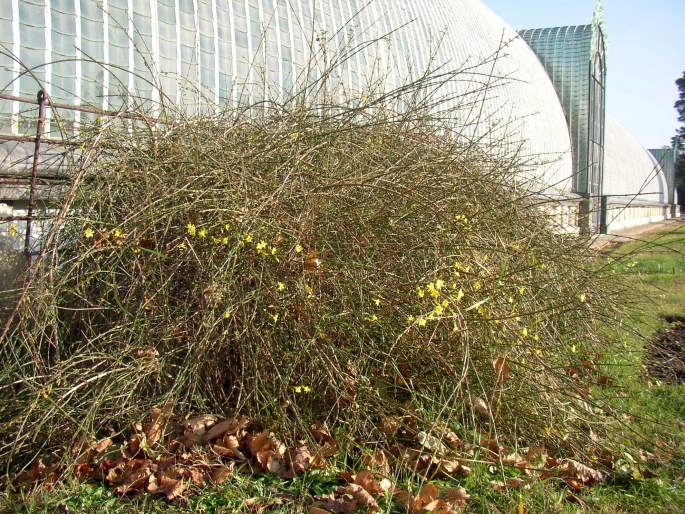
(80, 108)
(34, 174)
(32, 139)
(7, 219)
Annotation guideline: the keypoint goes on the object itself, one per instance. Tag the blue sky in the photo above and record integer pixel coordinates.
(646, 55)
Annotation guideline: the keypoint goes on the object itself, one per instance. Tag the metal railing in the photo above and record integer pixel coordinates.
(43, 101)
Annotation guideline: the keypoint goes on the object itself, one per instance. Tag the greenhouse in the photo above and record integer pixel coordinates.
(541, 95)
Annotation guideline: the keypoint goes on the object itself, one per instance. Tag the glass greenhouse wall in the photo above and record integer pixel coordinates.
(205, 53)
(575, 59)
(667, 158)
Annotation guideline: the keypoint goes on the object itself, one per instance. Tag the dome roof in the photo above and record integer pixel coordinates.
(502, 85)
(631, 173)
(249, 50)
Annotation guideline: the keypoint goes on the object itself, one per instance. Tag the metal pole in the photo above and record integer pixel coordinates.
(34, 174)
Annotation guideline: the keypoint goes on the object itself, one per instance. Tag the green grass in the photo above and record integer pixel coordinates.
(654, 421)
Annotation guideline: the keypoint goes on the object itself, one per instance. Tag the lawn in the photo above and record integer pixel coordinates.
(649, 475)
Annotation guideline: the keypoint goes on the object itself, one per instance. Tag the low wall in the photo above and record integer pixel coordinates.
(564, 214)
(620, 215)
(12, 243)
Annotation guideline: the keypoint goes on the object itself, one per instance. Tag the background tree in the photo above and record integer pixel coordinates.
(679, 140)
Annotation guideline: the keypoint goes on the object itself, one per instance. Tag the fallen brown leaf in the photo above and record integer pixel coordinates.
(154, 429)
(222, 474)
(167, 485)
(131, 476)
(321, 435)
(300, 459)
(575, 471)
(312, 262)
(453, 440)
(360, 496)
(501, 369)
(390, 425)
(102, 445)
(429, 500)
(318, 510)
(430, 442)
(231, 426)
(457, 496)
(377, 460)
(480, 407)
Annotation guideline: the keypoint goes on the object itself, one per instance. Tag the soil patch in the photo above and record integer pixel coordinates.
(665, 357)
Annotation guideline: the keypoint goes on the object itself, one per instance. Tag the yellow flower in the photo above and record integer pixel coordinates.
(47, 391)
(445, 303)
(434, 292)
(260, 246)
(536, 337)
(227, 313)
(306, 389)
(582, 297)
(522, 291)
(117, 233)
(420, 292)
(12, 230)
(310, 291)
(477, 285)
(573, 348)
(248, 238)
(274, 250)
(410, 319)
(372, 319)
(192, 230)
(181, 245)
(87, 233)
(224, 240)
(377, 302)
(439, 310)
(298, 389)
(439, 284)
(281, 286)
(298, 248)
(202, 233)
(227, 227)
(511, 299)
(460, 295)
(274, 317)
(422, 322)
(524, 332)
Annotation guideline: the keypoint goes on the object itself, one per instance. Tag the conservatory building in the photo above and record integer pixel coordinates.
(540, 92)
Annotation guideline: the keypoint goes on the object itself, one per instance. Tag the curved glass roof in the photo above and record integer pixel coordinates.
(631, 173)
(206, 52)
